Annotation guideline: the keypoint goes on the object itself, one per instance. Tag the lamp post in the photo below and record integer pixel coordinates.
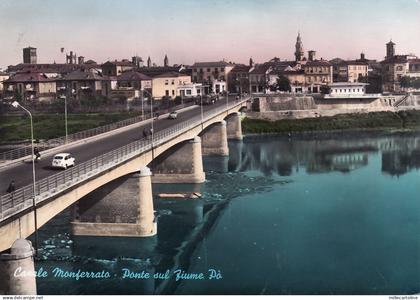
(65, 115)
(151, 116)
(142, 107)
(201, 106)
(16, 104)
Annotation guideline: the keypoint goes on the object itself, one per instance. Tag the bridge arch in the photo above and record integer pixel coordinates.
(21, 224)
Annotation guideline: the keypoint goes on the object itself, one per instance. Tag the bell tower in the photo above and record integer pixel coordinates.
(299, 49)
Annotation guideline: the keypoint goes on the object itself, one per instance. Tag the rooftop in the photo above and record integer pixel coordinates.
(211, 64)
(318, 63)
(133, 75)
(83, 75)
(241, 68)
(169, 74)
(154, 71)
(49, 68)
(28, 77)
(260, 69)
(126, 63)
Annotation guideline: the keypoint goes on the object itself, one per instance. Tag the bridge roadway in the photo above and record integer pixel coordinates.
(22, 172)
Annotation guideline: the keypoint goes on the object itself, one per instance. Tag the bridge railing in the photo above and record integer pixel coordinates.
(22, 198)
(52, 143)
(44, 145)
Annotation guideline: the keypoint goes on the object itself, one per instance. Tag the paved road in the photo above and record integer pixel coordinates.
(22, 172)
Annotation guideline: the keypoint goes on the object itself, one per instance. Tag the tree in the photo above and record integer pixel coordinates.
(283, 84)
(405, 82)
(325, 89)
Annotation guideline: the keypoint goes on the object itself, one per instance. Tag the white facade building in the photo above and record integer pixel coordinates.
(348, 90)
(190, 90)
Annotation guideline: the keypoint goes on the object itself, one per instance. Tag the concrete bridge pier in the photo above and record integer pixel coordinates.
(215, 140)
(17, 270)
(121, 208)
(183, 163)
(234, 127)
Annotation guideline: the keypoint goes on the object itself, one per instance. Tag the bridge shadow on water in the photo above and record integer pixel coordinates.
(182, 226)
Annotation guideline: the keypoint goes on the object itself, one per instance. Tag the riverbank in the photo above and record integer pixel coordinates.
(47, 126)
(402, 120)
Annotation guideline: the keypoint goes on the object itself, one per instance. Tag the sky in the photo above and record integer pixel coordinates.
(206, 30)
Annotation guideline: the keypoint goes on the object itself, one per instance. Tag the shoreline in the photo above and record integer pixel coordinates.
(377, 122)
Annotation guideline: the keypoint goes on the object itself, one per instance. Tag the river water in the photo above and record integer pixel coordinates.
(326, 214)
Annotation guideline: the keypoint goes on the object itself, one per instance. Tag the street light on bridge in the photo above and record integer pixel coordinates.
(16, 104)
(151, 116)
(65, 114)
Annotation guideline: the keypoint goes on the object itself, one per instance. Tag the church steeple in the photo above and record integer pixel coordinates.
(149, 62)
(299, 48)
(165, 61)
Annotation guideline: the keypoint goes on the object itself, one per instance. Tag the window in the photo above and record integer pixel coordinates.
(195, 78)
(166, 82)
(173, 92)
(180, 82)
(216, 70)
(188, 92)
(166, 92)
(208, 69)
(173, 82)
(222, 69)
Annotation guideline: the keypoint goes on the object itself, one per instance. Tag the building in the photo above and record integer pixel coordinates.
(207, 72)
(299, 54)
(259, 78)
(137, 61)
(395, 67)
(29, 55)
(154, 71)
(318, 73)
(167, 84)
(190, 90)
(115, 68)
(52, 70)
(129, 85)
(30, 86)
(71, 58)
(346, 90)
(238, 78)
(350, 71)
(80, 84)
(3, 76)
(296, 79)
(134, 79)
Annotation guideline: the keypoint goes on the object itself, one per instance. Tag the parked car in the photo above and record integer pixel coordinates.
(63, 160)
(173, 115)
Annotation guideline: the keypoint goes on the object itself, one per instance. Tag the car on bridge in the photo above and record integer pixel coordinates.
(63, 160)
(173, 115)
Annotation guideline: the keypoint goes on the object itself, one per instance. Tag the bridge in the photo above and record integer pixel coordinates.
(174, 155)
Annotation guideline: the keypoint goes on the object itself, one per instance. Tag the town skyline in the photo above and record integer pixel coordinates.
(189, 31)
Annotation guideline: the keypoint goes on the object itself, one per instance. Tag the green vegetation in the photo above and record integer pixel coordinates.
(409, 82)
(376, 120)
(48, 126)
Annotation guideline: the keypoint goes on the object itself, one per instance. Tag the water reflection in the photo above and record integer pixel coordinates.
(283, 156)
(270, 213)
